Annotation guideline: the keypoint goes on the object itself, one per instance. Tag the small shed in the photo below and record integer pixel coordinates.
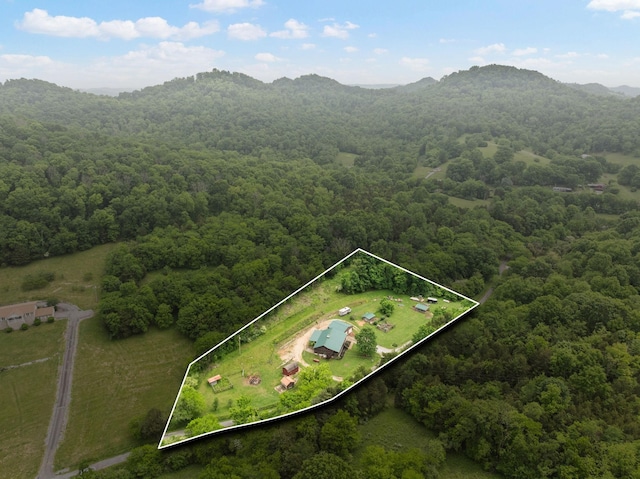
(431, 299)
(214, 380)
(290, 368)
(368, 317)
(421, 308)
(287, 383)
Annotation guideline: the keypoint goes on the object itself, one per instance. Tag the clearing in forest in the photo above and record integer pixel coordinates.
(313, 346)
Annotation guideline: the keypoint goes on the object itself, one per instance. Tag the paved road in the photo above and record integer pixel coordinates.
(112, 461)
(58, 421)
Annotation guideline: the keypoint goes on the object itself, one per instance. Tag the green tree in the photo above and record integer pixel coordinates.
(366, 341)
(190, 405)
(203, 425)
(386, 307)
(340, 435)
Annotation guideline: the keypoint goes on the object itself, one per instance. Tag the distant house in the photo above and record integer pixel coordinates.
(290, 368)
(214, 380)
(562, 189)
(26, 312)
(344, 311)
(287, 383)
(597, 186)
(332, 342)
(421, 308)
(432, 300)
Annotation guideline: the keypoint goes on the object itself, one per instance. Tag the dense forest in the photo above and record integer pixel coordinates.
(225, 194)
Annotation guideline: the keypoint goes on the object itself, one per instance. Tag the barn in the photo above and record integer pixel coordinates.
(290, 369)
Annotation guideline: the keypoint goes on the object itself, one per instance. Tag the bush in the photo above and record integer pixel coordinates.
(24, 326)
(38, 280)
(8, 329)
(37, 322)
(50, 319)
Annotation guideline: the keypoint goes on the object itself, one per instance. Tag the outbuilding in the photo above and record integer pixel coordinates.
(421, 308)
(290, 368)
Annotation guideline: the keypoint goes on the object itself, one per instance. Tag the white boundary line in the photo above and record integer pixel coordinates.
(277, 418)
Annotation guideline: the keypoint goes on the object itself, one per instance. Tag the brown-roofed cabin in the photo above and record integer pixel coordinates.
(287, 382)
(214, 380)
(290, 369)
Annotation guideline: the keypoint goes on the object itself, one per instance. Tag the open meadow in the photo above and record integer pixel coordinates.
(252, 368)
(27, 394)
(116, 382)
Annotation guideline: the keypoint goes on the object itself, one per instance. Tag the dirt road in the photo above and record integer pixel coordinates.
(292, 351)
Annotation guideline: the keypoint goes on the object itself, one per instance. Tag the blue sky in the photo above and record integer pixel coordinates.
(136, 43)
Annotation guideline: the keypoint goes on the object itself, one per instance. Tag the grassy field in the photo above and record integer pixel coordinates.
(464, 203)
(27, 395)
(77, 278)
(346, 159)
(394, 429)
(115, 382)
(265, 355)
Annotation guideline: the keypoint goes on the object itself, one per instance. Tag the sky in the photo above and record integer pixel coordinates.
(131, 44)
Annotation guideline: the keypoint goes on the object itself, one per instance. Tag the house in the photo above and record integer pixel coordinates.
(369, 317)
(287, 383)
(421, 308)
(290, 368)
(344, 311)
(332, 342)
(26, 312)
(214, 380)
(597, 186)
(562, 189)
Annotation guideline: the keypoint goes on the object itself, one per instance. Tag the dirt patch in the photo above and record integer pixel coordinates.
(292, 350)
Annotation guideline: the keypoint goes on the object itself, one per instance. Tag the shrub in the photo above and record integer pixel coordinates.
(8, 329)
(24, 326)
(50, 319)
(37, 322)
(38, 280)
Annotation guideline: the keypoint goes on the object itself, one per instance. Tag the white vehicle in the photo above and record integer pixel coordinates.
(344, 311)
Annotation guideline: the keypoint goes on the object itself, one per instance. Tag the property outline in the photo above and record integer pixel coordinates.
(401, 353)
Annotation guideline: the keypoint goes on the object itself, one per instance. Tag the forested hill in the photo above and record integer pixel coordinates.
(316, 116)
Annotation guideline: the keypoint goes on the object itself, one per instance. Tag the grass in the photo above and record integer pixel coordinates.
(116, 382)
(77, 278)
(346, 159)
(37, 342)
(265, 355)
(27, 395)
(394, 429)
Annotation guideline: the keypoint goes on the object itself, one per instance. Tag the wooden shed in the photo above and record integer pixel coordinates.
(214, 380)
(290, 368)
(287, 382)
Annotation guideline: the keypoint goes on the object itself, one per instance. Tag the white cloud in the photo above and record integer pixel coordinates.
(227, 6)
(568, 55)
(380, 51)
(630, 8)
(614, 5)
(308, 46)
(267, 57)
(246, 31)
(415, 64)
(372, 35)
(602, 56)
(477, 59)
(630, 14)
(350, 49)
(446, 40)
(293, 29)
(339, 31)
(24, 60)
(494, 48)
(520, 52)
(146, 65)
(39, 21)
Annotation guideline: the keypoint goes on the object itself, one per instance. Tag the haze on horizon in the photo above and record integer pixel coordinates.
(129, 45)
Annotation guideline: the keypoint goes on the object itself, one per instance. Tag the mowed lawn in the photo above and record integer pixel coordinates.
(264, 356)
(27, 395)
(77, 278)
(115, 382)
(396, 430)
